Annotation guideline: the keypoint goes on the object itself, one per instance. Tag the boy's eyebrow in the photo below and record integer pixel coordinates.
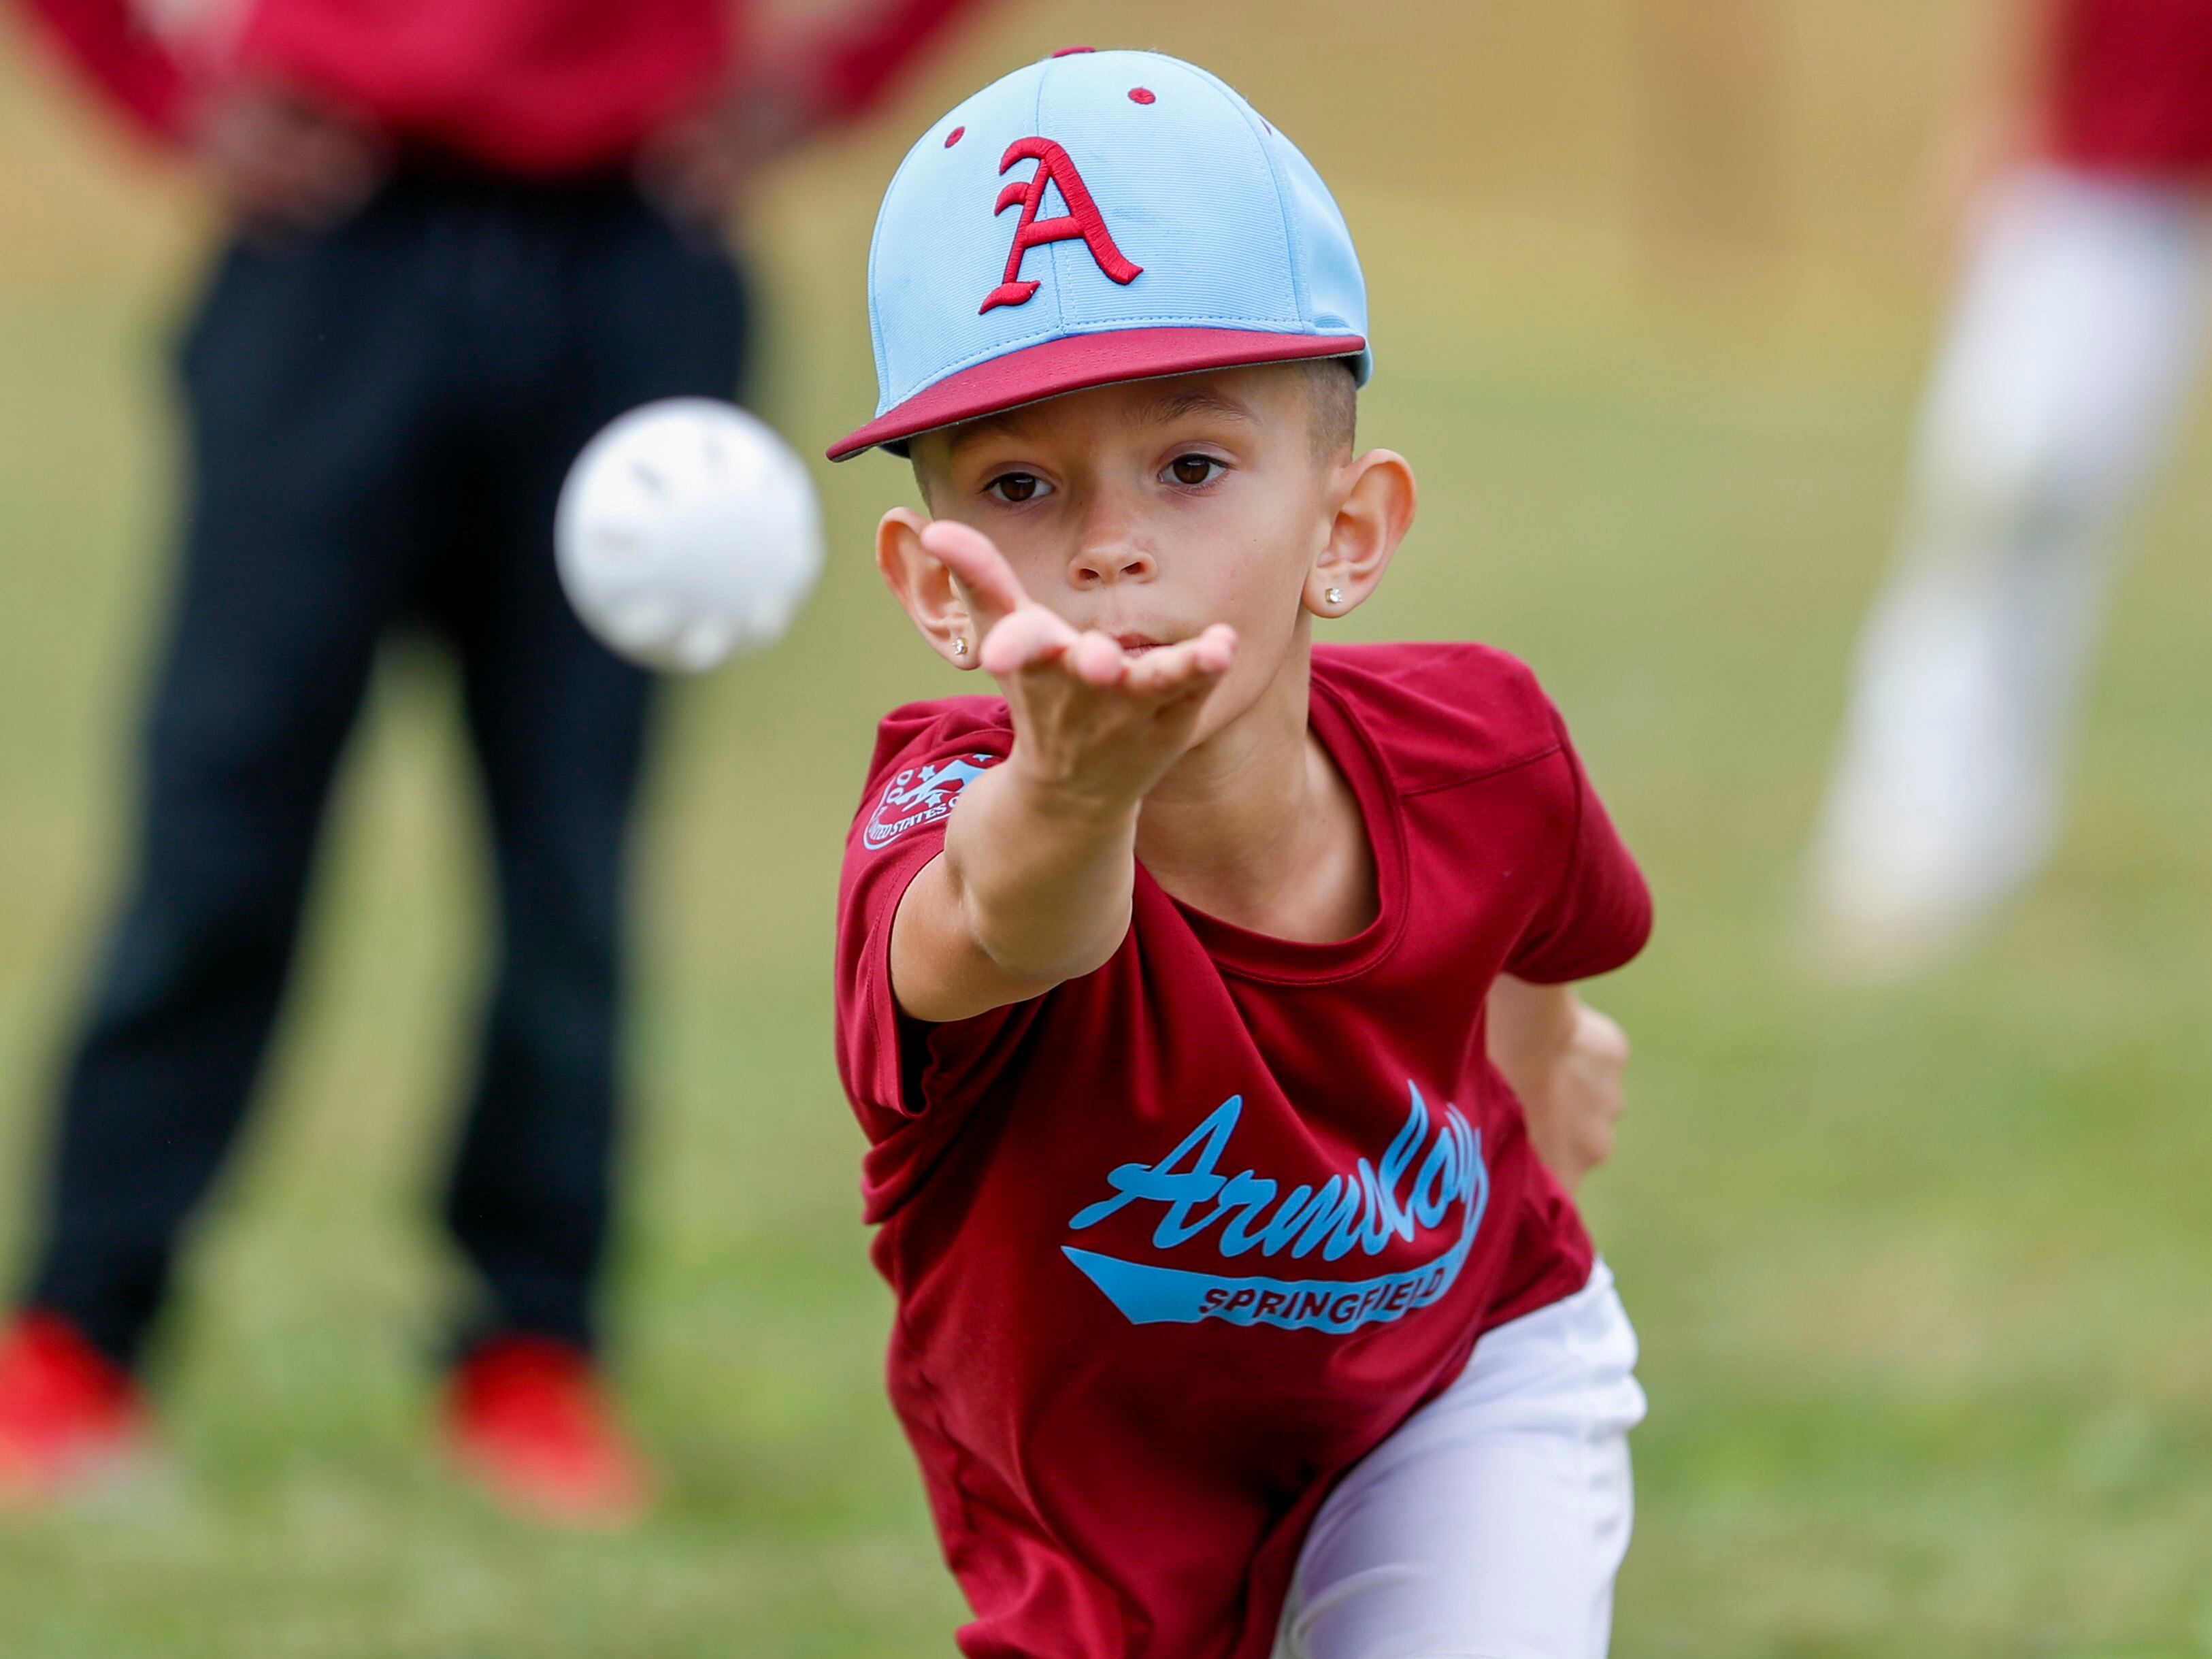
(1173, 402)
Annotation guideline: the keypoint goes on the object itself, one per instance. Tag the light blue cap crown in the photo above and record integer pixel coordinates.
(1098, 216)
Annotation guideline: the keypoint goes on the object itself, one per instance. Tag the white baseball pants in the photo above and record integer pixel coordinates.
(2074, 335)
(1490, 1525)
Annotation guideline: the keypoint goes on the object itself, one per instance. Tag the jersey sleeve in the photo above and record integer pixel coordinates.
(896, 1068)
(109, 44)
(856, 66)
(1600, 916)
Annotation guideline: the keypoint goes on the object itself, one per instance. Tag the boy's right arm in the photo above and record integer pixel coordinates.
(1034, 885)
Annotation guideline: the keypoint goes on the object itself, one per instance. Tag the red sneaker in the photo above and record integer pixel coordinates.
(68, 1413)
(527, 1420)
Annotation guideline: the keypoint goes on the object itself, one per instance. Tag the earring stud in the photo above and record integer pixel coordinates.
(959, 645)
(1333, 595)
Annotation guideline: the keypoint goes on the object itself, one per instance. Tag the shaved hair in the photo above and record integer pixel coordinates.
(1332, 402)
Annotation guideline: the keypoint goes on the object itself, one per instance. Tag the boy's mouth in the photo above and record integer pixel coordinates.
(1137, 644)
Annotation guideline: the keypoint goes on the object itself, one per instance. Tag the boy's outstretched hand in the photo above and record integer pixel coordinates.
(1093, 722)
(1034, 884)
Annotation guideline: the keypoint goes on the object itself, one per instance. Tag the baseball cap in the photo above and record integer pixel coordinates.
(1095, 218)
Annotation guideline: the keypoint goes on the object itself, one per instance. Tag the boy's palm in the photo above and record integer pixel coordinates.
(1092, 720)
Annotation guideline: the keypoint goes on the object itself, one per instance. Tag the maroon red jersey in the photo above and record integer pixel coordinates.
(533, 87)
(2131, 84)
(1177, 1243)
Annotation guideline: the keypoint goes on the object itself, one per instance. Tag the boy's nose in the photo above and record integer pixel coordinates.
(1106, 560)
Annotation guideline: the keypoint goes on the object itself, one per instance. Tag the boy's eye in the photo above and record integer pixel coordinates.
(1015, 488)
(1195, 469)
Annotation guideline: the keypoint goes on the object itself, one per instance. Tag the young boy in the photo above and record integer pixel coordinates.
(1236, 1314)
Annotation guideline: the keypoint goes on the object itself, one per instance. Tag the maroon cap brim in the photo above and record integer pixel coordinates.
(1075, 361)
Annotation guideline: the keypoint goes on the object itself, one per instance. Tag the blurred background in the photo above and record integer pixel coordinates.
(1923, 1274)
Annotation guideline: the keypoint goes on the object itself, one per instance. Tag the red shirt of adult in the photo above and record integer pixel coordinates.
(1178, 1243)
(2130, 85)
(541, 87)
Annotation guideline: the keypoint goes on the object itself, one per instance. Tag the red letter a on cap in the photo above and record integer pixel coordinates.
(1082, 218)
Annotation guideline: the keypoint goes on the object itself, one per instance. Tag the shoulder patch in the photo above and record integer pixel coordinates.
(922, 794)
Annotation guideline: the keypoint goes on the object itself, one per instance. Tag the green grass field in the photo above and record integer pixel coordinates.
(1924, 1277)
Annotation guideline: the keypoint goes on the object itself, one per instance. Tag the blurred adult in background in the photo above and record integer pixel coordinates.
(466, 235)
(2076, 333)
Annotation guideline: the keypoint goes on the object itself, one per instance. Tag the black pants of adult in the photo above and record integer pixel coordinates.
(378, 420)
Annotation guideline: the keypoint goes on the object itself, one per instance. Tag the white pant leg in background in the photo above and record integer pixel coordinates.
(1490, 1525)
(2074, 335)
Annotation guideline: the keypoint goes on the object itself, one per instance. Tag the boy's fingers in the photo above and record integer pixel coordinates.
(1165, 672)
(1209, 653)
(1097, 659)
(1216, 648)
(1031, 635)
(971, 555)
(1183, 666)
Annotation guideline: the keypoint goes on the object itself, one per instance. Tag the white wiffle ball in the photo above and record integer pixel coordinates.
(688, 532)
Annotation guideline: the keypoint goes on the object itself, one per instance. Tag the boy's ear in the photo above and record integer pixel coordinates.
(1374, 512)
(923, 584)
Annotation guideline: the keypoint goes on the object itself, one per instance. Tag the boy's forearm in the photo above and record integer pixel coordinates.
(1033, 889)
(1530, 1026)
(1044, 878)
